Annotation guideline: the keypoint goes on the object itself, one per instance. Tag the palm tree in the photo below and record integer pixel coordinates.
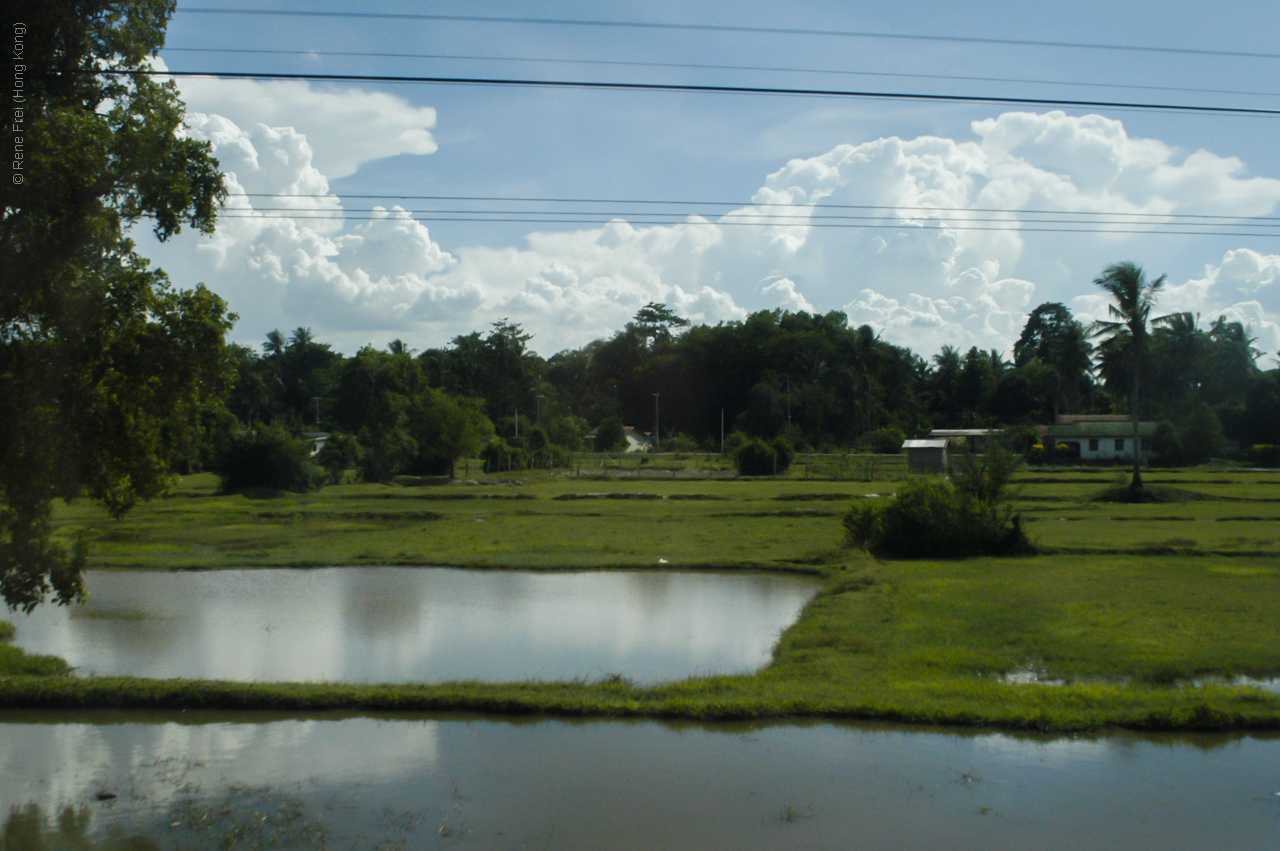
(399, 347)
(274, 344)
(1133, 298)
(301, 338)
(1180, 344)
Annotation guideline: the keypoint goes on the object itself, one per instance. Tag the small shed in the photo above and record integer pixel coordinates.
(977, 438)
(926, 456)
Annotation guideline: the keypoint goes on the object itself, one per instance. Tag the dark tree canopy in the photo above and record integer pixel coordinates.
(105, 369)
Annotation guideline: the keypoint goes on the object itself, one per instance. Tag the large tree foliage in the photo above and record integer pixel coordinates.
(1056, 339)
(105, 369)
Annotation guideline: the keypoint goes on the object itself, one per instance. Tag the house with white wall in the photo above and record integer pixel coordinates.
(1098, 437)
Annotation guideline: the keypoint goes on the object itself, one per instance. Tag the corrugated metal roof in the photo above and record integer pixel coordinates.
(1101, 429)
(924, 444)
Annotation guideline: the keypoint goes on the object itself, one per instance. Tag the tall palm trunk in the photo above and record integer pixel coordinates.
(1135, 484)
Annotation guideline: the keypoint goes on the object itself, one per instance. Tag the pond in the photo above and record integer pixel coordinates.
(395, 625)
(203, 781)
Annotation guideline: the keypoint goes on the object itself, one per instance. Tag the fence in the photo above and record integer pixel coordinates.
(710, 465)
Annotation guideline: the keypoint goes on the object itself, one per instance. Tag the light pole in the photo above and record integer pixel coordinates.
(657, 441)
(316, 399)
(538, 399)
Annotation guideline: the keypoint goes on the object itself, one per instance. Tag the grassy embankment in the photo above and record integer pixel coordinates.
(1127, 607)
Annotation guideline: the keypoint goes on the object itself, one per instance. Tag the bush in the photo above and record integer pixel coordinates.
(269, 457)
(388, 451)
(501, 457)
(985, 476)
(1264, 455)
(932, 518)
(610, 435)
(882, 441)
(341, 452)
(1193, 439)
(755, 457)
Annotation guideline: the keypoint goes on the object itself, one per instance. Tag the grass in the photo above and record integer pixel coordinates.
(1126, 607)
(14, 662)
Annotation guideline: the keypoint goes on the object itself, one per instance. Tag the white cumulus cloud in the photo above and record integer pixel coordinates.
(347, 126)
(921, 238)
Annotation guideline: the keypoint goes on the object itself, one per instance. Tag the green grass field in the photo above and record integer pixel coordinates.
(1133, 615)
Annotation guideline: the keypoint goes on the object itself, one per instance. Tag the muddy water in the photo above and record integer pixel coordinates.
(200, 782)
(390, 624)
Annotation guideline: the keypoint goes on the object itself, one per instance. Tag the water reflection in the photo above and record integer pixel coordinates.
(382, 782)
(418, 625)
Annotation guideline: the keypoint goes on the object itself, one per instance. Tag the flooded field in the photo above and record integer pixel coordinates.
(186, 781)
(387, 624)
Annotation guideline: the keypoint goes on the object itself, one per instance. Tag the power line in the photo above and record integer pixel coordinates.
(728, 28)
(705, 67)
(736, 204)
(928, 224)
(747, 217)
(693, 89)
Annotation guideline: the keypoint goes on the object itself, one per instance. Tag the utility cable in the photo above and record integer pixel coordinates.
(738, 204)
(704, 67)
(931, 225)
(692, 89)
(727, 28)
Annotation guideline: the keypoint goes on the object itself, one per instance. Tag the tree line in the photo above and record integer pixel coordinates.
(811, 380)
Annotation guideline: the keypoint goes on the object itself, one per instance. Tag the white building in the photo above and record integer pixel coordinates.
(1097, 437)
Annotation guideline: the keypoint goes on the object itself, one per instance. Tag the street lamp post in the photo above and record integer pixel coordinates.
(538, 399)
(657, 441)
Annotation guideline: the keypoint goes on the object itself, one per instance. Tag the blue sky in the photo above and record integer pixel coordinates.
(923, 276)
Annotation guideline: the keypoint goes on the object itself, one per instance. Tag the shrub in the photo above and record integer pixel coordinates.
(755, 457)
(882, 441)
(500, 457)
(1264, 455)
(610, 435)
(388, 451)
(939, 518)
(985, 476)
(679, 443)
(932, 518)
(269, 457)
(341, 452)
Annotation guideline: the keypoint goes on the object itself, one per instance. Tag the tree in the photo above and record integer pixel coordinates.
(1178, 346)
(655, 322)
(105, 369)
(1133, 297)
(274, 346)
(447, 428)
(1055, 338)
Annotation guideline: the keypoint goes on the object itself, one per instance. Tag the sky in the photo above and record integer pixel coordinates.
(371, 211)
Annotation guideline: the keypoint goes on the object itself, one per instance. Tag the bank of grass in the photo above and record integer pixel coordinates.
(15, 662)
(1124, 635)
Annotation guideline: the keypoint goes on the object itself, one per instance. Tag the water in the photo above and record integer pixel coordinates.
(366, 782)
(386, 624)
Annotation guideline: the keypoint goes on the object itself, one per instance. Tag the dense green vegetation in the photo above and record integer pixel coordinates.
(965, 514)
(1125, 609)
(105, 369)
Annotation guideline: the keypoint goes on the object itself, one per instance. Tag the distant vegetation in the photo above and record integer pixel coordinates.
(809, 380)
(965, 515)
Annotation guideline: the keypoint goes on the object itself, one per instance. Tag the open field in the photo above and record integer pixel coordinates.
(1128, 608)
